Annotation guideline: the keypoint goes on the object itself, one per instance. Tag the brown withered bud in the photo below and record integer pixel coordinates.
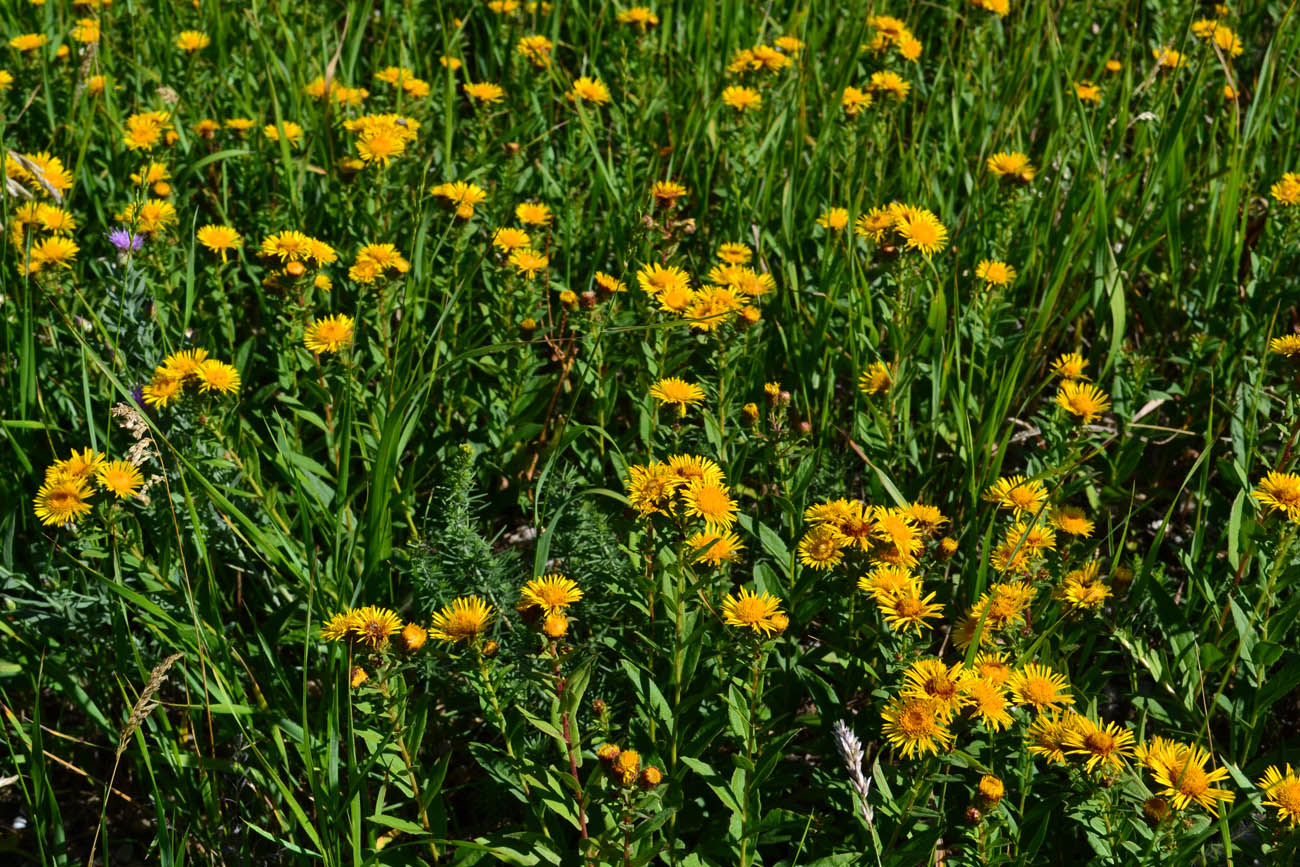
(588, 299)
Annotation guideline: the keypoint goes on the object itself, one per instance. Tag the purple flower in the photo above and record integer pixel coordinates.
(124, 240)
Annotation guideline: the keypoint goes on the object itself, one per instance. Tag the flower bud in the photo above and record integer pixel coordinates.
(358, 676)
(947, 547)
(990, 791)
(412, 638)
(650, 778)
(556, 625)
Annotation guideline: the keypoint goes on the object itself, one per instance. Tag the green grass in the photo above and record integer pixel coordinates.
(454, 451)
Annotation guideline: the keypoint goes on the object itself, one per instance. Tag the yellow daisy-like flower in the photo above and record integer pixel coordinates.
(1040, 688)
(931, 679)
(874, 224)
(734, 253)
(886, 580)
(338, 627)
(875, 379)
(1014, 165)
(1018, 494)
(609, 282)
(464, 196)
(667, 193)
(528, 262)
(915, 725)
(1069, 366)
(80, 465)
(1168, 58)
(464, 619)
(908, 609)
(677, 392)
(536, 49)
(1086, 91)
(987, 702)
(715, 548)
(1072, 521)
(182, 363)
(120, 477)
(552, 593)
(484, 91)
(992, 667)
(853, 100)
(822, 547)
(896, 528)
(288, 131)
(587, 89)
(890, 83)
(507, 239)
(742, 98)
(192, 40)
(641, 16)
(287, 246)
(1104, 745)
(1282, 791)
(756, 612)
(533, 213)
(58, 251)
(995, 273)
(28, 41)
(373, 625)
(1082, 399)
(1047, 736)
(650, 489)
(329, 334)
(1287, 344)
(921, 231)
(219, 239)
(834, 219)
(1280, 492)
(1286, 192)
(696, 469)
(712, 502)
(1180, 771)
(219, 376)
(1083, 589)
(62, 500)
(161, 390)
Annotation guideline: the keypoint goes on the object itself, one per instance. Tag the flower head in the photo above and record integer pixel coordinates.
(748, 610)
(219, 376)
(1082, 399)
(995, 273)
(1105, 745)
(62, 500)
(1013, 165)
(552, 593)
(1282, 791)
(677, 392)
(1040, 688)
(1280, 492)
(219, 239)
(122, 478)
(329, 334)
(464, 619)
(915, 725)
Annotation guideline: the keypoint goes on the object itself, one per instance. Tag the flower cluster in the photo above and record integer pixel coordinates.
(189, 367)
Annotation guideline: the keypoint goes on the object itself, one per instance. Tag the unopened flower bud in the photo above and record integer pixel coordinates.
(490, 649)
(947, 547)
(556, 625)
(751, 412)
(588, 299)
(358, 676)
(412, 637)
(991, 791)
(650, 778)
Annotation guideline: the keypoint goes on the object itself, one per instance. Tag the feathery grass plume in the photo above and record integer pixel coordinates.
(851, 752)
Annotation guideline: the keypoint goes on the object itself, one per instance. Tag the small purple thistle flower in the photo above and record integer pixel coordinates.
(123, 239)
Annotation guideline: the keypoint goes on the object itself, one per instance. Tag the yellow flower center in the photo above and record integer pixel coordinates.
(1099, 743)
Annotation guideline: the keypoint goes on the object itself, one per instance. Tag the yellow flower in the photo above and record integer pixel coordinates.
(1105, 745)
(1013, 165)
(609, 282)
(507, 239)
(931, 679)
(533, 213)
(464, 196)
(742, 98)
(992, 667)
(854, 100)
(1180, 772)
(484, 91)
(528, 262)
(874, 224)
(373, 625)
(1280, 492)
(667, 193)
(57, 251)
(886, 581)
(1018, 494)
(876, 378)
(28, 41)
(1086, 91)
(921, 231)
(1072, 521)
(712, 502)
(890, 83)
(192, 40)
(641, 16)
(1287, 191)
(1083, 590)
(1168, 58)
(1070, 366)
(1082, 399)
(995, 273)
(161, 390)
(62, 500)
(1281, 790)
(288, 131)
(329, 334)
(551, 593)
(1047, 736)
(650, 489)
(896, 528)
(909, 610)
(586, 89)
(120, 477)
(749, 610)
(822, 547)
(914, 725)
(1040, 688)
(987, 702)
(219, 239)
(695, 469)
(80, 465)
(219, 376)
(536, 49)
(715, 548)
(677, 392)
(834, 219)
(464, 619)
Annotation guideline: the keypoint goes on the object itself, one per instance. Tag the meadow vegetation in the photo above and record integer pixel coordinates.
(706, 433)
